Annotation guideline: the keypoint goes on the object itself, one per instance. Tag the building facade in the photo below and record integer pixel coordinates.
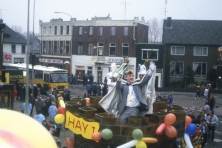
(95, 44)
(191, 43)
(14, 47)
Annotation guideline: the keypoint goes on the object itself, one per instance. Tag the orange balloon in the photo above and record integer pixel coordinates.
(160, 129)
(149, 140)
(188, 121)
(96, 136)
(69, 143)
(169, 119)
(170, 131)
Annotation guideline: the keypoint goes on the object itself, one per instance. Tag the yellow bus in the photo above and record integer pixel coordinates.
(44, 77)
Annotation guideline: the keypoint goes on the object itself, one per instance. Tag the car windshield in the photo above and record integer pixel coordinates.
(59, 77)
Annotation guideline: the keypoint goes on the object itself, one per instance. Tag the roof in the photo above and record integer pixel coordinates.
(14, 37)
(208, 32)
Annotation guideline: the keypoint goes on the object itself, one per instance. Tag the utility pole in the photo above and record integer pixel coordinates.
(33, 48)
(125, 9)
(27, 67)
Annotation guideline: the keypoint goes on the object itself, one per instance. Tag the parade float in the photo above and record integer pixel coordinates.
(95, 126)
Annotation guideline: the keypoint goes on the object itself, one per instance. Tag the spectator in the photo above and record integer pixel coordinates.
(45, 124)
(75, 78)
(38, 104)
(39, 117)
(17, 85)
(23, 107)
(52, 111)
(94, 88)
(105, 80)
(170, 99)
(211, 122)
(98, 89)
(202, 88)
(192, 117)
(198, 92)
(206, 108)
(200, 117)
(84, 80)
(204, 130)
(32, 101)
(15, 93)
(48, 93)
(35, 91)
(164, 99)
(206, 93)
(89, 89)
(211, 102)
(101, 88)
(104, 90)
(159, 98)
(44, 110)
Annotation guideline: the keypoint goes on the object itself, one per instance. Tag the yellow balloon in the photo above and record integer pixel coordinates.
(18, 127)
(59, 118)
(141, 144)
(62, 103)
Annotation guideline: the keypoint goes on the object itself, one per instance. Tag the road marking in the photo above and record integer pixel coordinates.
(217, 140)
(218, 132)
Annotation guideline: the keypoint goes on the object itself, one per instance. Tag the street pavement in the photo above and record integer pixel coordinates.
(186, 100)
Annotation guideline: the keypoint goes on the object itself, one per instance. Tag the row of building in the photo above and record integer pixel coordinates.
(90, 46)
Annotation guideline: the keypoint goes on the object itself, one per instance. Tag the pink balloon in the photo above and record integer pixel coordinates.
(160, 129)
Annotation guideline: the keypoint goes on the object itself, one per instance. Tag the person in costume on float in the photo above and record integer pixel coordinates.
(133, 100)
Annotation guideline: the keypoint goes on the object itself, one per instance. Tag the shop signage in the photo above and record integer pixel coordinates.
(80, 126)
(7, 57)
(117, 61)
(18, 74)
(56, 61)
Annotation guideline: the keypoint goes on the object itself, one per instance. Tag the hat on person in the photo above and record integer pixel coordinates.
(142, 70)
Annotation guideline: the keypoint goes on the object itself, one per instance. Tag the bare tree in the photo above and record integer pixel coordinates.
(17, 29)
(155, 31)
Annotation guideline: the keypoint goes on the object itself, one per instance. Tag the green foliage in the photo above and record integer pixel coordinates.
(190, 74)
(191, 86)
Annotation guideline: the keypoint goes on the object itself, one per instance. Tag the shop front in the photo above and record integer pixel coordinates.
(6, 96)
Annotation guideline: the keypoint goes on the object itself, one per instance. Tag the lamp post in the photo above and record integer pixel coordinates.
(27, 66)
(71, 39)
(33, 48)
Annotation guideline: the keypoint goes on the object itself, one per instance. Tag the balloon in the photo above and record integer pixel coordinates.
(141, 144)
(107, 134)
(187, 141)
(169, 119)
(62, 104)
(188, 120)
(128, 144)
(96, 136)
(149, 140)
(61, 110)
(160, 129)
(137, 134)
(59, 118)
(14, 133)
(191, 128)
(170, 131)
(69, 142)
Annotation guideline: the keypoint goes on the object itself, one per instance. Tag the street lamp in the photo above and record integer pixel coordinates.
(71, 38)
(64, 13)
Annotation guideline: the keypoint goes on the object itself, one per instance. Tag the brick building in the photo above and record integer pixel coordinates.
(95, 43)
(190, 43)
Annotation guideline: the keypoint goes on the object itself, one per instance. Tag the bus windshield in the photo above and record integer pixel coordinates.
(59, 77)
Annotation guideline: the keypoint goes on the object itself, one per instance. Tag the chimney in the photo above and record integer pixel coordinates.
(1, 21)
(168, 22)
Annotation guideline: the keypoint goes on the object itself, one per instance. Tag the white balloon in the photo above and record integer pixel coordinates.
(128, 144)
(187, 141)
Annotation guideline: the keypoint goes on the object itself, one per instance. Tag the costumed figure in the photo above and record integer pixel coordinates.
(111, 80)
(110, 102)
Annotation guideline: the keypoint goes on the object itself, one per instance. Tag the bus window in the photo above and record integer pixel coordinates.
(59, 77)
(46, 77)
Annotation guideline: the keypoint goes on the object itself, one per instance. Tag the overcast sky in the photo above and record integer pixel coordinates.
(14, 12)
